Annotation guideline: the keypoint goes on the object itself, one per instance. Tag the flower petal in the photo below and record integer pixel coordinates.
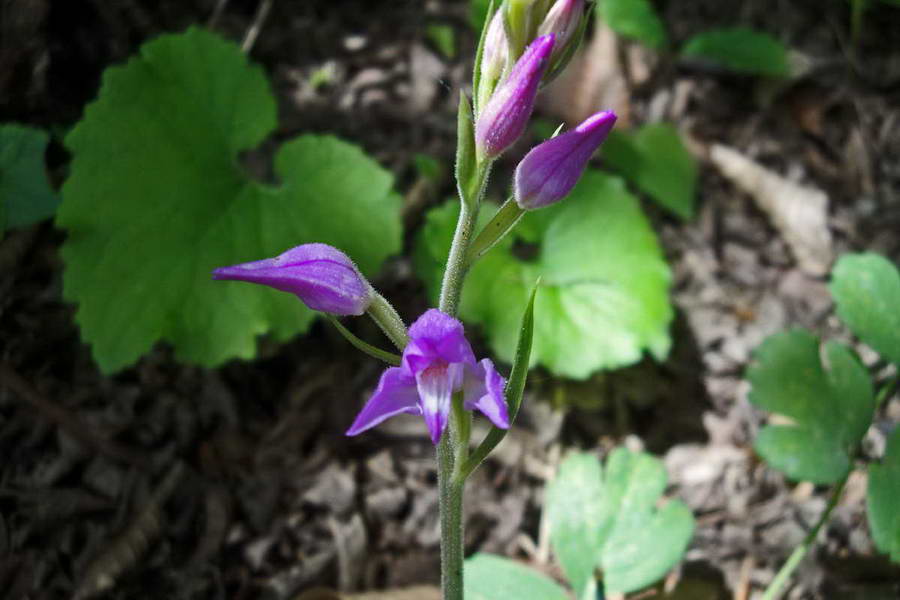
(436, 337)
(323, 277)
(483, 390)
(396, 393)
(436, 386)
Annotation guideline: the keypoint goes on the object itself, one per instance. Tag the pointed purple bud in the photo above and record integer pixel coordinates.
(562, 20)
(323, 277)
(549, 172)
(504, 117)
(496, 49)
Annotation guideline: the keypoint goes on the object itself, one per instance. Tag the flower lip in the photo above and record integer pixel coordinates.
(551, 169)
(323, 277)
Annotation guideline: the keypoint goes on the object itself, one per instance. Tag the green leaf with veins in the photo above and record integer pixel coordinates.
(883, 503)
(655, 160)
(831, 405)
(636, 19)
(490, 577)
(866, 289)
(741, 50)
(611, 520)
(156, 199)
(25, 194)
(604, 291)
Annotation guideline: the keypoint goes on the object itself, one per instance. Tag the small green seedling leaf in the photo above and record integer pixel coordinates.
(490, 577)
(611, 521)
(831, 405)
(741, 50)
(604, 291)
(156, 199)
(25, 194)
(884, 499)
(636, 19)
(866, 289)
(655, 160)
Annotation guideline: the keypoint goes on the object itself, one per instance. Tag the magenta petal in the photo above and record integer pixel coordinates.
(505, 115)
(323, 277)
(550, 171)
(436, 337)
(483, 390)
(396, 393)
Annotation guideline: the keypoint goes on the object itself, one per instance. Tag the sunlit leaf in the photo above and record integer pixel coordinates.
(636, 19)
(489, 577)
(741, 50)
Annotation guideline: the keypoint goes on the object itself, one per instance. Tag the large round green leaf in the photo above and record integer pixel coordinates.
(156, 199)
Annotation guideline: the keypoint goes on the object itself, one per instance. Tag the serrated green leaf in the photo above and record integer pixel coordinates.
(883, 502)
(636, 19)
(490, 577)
(656, 161)
(156, 199)
(741, 50)
(831, 405)
(25, 194)
(611, 521)
(604, 292)
(866, 289)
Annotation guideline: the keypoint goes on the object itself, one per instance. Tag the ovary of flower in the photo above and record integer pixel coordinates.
(437, 363)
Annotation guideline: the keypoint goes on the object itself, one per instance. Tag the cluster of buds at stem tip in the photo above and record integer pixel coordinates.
(506, 93)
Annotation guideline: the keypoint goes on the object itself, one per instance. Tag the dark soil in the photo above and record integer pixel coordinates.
(171, 481)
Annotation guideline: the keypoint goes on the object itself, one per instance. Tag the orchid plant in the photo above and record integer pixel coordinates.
(524, 44)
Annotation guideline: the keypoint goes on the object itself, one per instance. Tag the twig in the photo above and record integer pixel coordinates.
(69, 422)
(258, 19)
(216, 13)
(127, 549)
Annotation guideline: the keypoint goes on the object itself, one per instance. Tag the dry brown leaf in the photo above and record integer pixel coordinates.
(799, 212)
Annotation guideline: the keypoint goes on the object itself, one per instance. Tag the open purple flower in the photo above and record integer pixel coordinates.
(322, 276)
(437, 362)
(549, 172)
(504, 117)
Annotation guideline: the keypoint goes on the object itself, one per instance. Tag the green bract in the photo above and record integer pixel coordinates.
(884, 499)
(655, 159)
(634, 19)
(866, 289)
(156, 199)
(611, 521)
(604, 283)
(831, 405)
(490, 577)
(742, 50)
(25, 194)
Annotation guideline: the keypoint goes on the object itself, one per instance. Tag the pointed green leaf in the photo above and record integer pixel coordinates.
(831, 405)
(490, 577)
(884, 499)
(636, 19)
(157, 198)
(466, 167)
(741, 50)
(655, 160)
(866, 289)
(611, 521)
(25, 194)
(604, 292)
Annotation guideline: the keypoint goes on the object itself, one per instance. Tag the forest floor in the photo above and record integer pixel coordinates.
(173, 481)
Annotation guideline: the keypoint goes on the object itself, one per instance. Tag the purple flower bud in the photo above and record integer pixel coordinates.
(550, 171)
(563, 20)
(496, 49)
(504, 117)
(323, 277)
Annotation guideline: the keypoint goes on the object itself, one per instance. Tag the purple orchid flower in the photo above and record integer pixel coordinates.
(549, 172)
(437, 362)
(322, 276)
(506, 114)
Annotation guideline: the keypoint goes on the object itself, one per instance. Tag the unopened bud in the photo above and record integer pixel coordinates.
(563, 20)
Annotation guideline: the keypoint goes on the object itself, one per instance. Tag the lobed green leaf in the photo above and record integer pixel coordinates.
(883, 502)
(490, 577)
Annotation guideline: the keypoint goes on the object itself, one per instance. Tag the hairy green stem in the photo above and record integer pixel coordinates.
(800, 551)
(386, 317)
(450, 489)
